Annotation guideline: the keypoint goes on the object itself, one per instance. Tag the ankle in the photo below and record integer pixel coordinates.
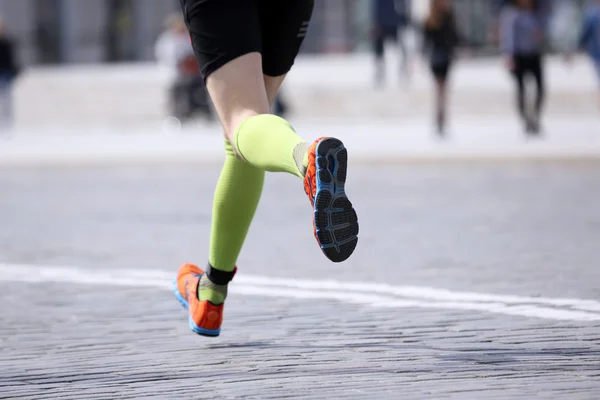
(210, 291)
(301, 157)
(213, 284)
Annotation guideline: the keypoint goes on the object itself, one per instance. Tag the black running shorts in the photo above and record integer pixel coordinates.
(223, 30)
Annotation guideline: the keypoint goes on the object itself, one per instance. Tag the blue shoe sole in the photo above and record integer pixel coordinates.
(178, 295)
(335, 219)
(195, 328)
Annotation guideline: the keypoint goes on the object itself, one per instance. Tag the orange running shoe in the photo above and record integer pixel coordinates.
(205, 318)
(335, 222)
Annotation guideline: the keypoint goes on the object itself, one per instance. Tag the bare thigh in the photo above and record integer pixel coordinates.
(238, 91)
(245, 49)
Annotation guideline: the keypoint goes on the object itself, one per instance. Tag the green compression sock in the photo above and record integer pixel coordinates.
(235, 201)
(269, 143)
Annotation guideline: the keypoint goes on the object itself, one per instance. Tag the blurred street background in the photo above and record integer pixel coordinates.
(474, 166)
(108, 65)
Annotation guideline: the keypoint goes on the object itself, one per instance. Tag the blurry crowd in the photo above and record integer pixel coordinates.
(521, 32)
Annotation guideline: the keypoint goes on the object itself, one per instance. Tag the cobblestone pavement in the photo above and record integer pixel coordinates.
(499, 229)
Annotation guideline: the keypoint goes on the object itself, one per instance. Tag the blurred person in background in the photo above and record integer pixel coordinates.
(8, 73)
(589, 40)
(391, 18)
(440, 39)
(174, 51)
(245, 49)
(522, 39)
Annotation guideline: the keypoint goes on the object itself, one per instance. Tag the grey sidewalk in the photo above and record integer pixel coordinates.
(324, 87)
(135, 344)
(512, 229)
(375, 141)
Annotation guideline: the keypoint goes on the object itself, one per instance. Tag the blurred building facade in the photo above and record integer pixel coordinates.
(92, 31)
(85, 31)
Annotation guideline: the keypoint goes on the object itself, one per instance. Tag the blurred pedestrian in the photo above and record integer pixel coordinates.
(391, 20)
(522, 40)
(174, 50)
(8, 73)
(440, 39)
(590, 35)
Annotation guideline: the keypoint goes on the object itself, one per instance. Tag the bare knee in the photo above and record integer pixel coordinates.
(231, 127)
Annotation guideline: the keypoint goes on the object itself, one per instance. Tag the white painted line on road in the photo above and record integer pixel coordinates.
(425, 293)
(367, 294)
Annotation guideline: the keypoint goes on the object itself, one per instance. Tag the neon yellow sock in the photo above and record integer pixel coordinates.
(269, 143)
(235, 201)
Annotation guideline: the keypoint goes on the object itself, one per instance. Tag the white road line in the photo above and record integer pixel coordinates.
(426, 293)
(367, 294)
